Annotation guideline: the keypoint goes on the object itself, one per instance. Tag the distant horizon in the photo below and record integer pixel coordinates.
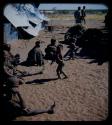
(62, 6)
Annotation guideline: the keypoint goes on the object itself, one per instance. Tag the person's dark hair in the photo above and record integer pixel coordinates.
(53, 41)
(37, 43)
(84, 7)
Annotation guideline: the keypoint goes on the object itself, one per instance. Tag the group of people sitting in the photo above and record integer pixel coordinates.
(12, 80)
(53, 52)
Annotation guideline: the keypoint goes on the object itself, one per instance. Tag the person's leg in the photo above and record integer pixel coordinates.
(58, 71)
(29, 112)
(74, 54)
(42, 70)
(41, 64)
(16, 102)
(21, 81)
(53, 59)
(21, 108)
(84, 21)
(22, 102)
(65, 76)
(61, 70)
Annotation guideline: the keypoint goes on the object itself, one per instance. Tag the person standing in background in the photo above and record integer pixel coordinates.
(83, 15)
(77, 15)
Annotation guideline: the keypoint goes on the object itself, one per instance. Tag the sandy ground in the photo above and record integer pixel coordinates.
(81, 97)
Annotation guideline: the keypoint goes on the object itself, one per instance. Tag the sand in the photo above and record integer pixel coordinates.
(81, 97)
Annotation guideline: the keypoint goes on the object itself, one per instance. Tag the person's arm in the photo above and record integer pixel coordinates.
(15, 104)
(43, 55)
(85, 13)
(61, 60)
(22, 102)
(7, 72)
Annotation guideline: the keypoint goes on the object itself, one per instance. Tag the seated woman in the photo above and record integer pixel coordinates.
(36, 57)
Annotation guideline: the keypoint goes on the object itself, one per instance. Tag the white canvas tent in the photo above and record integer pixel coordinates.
(26, 17)
(17, 19)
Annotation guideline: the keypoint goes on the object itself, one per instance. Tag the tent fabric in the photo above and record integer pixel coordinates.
(33, 31)
(20, 15)
(16, 19)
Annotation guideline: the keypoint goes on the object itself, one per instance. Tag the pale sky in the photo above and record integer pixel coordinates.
(67, 6)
